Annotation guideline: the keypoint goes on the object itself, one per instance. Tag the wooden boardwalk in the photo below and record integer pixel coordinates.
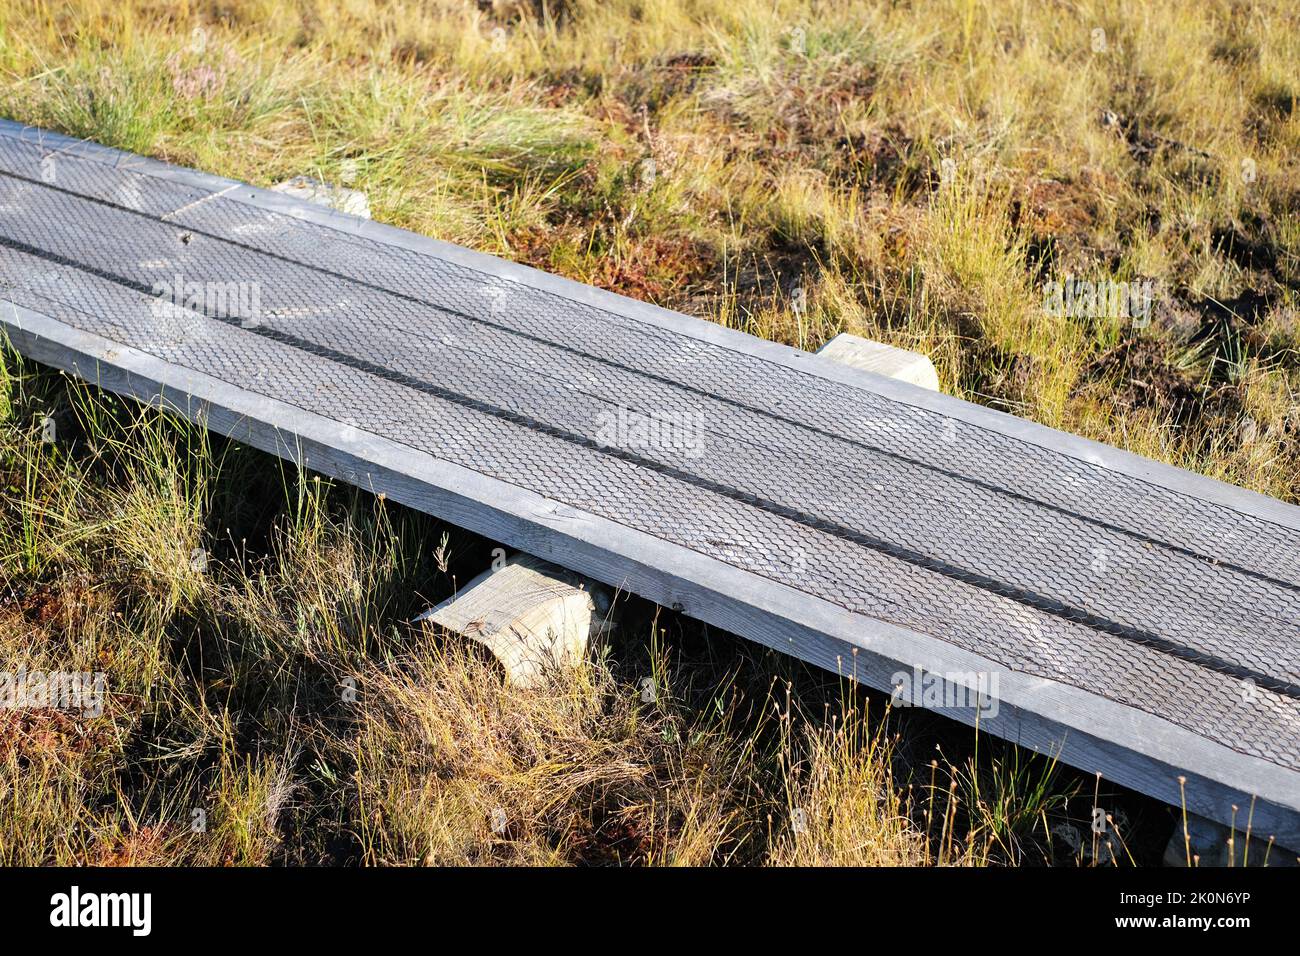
(1132, 618)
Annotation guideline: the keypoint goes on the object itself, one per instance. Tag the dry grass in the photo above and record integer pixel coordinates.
(451, 768)
(915, 172)
(268, 705)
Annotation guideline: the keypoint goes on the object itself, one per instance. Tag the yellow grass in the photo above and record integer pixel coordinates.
(915, 172)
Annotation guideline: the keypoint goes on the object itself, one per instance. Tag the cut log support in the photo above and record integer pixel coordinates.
(351, 201)
(855, 351)
(534, 617)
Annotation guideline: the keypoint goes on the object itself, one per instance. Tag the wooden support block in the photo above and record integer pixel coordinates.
(882, 359)
(533, 616)
(351, 201)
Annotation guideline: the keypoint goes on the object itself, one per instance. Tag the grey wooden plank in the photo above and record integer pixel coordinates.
(1085, 450)
(1212, 611)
